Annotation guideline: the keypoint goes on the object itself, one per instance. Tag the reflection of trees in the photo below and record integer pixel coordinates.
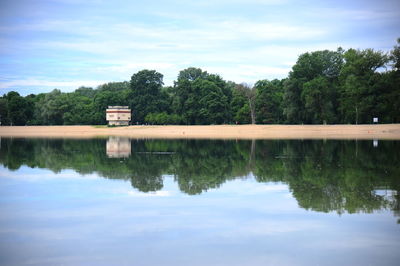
(200, 165)
(341, 176)
(328, 176)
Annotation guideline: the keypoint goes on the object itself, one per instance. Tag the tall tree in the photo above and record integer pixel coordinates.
(201, 98)
(51, 108)
(85, 91)
(250, 94)
(358, 78)
(309, 66)
(16, 106)
(3, 112)
(318, 97)
(269, 101)
(146, 94)
(240, 105)
(114, 86)
(212, 103)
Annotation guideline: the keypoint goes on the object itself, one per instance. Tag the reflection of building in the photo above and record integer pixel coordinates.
(118, 115)
(118, 147)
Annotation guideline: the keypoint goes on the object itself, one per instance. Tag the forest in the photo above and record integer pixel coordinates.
(323, 87)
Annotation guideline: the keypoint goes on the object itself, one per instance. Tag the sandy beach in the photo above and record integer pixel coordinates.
(387, 131)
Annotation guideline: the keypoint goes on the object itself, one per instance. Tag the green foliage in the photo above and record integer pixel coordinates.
(3, 112)
(146, 96)
(17, 109)
(240, 105)
(317, 96)
(114, 86)
(201, 98)
(358, 80)
(269, 101)
(105, 98)
(162, 119)
(85, 91)
(320, 65)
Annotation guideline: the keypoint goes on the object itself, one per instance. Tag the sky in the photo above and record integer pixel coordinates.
(65, 44)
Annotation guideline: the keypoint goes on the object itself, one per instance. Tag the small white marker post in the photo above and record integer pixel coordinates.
(375, 120)
(375, 143)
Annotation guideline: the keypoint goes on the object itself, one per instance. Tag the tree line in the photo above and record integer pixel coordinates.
(324, 87)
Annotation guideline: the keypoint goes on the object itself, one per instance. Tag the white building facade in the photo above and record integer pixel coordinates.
(118, 115)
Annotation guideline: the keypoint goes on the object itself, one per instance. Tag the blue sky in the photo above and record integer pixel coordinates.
(66, 44)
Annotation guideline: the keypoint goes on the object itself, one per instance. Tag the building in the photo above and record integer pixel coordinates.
(118, 115)
(118, 147)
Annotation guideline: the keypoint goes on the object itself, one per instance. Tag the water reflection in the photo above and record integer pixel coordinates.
(341, 176)
(118, 147)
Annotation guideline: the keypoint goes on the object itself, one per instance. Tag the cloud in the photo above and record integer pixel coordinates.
(242, 40)
(366, 15)
(32, 82)
(248, 73)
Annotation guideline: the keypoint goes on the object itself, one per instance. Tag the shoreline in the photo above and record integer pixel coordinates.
(378, 131)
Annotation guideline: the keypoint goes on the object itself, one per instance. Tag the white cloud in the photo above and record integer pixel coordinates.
(48, 83)
(367, 15)
(248, 73)
(240, 46)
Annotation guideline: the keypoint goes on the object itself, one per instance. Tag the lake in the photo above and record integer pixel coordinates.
(120, 201)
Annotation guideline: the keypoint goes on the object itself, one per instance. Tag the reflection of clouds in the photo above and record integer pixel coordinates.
(160, 193)
(270, 226)
(361, 242)
(41, 174)
(262, 227)
(247, 187)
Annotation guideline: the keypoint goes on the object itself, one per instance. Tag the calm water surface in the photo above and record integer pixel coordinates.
(199, 202)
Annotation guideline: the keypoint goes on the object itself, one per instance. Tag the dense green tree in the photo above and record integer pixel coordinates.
(85, 91)
(80, 111)
(31, 100)
(51, 108)
(162, 119)
(389, 90)
(269, 101)
(318, 95)
(38, 118)
(17, 109)
(310, 66)
(114, 86)
(359, 79)
(3, 112)
(211, 103)
(240, 105)
(395, 56)
(201, 98)
(185, 100)
(244, 103)
(146, 96)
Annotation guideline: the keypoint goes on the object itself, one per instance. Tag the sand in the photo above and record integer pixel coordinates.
(384, 131)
